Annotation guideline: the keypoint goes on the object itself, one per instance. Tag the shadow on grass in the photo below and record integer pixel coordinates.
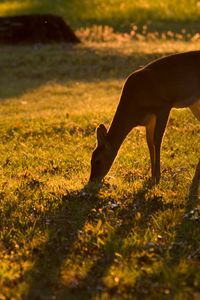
(63, 230)
(77, 210)
(24, 69)
(183, 252)
(93, 284)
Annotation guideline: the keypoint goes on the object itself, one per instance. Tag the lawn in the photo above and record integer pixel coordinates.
(59, 240)
(158, 15)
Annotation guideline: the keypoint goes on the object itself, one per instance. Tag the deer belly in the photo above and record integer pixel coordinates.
(185, 103)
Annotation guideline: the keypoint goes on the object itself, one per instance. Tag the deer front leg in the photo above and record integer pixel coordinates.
(150, 128)
(161, 122)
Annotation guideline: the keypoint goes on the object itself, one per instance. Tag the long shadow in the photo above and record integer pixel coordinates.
(193, 193)
(185, 233)
(185, 246)
(63, 229)
(65, 225)
(24, 69)
(92, 285)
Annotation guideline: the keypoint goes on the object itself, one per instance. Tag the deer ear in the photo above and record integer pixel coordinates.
(101, 135)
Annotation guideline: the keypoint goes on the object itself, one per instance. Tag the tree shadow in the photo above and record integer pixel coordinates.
(24, 69)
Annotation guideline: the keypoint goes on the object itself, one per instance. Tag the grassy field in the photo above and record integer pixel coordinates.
(157, 15)
(124, 241)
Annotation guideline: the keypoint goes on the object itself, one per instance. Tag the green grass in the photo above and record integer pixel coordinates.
(124, 241)
(57, 241)
(158, 15)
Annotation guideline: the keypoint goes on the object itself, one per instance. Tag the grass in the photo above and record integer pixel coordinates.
(58, 241)
(124, 241)
(157, 15)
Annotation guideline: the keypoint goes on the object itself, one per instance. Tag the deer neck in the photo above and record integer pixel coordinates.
(122, 124)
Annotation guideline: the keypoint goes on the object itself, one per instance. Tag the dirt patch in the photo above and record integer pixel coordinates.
(28, 29)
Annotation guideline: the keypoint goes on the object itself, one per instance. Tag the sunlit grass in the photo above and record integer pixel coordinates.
(60, 241)
(14, 7)
(158, 15)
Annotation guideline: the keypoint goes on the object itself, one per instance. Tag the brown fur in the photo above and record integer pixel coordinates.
(147, 98)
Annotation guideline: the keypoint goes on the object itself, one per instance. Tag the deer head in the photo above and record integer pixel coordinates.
(102, 156)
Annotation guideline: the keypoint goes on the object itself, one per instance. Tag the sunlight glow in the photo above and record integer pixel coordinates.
(9, 8)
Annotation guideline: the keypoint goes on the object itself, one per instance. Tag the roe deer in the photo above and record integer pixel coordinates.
(147, 98)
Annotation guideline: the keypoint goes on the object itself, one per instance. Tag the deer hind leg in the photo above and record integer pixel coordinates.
(195, 108)
(161, 122)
